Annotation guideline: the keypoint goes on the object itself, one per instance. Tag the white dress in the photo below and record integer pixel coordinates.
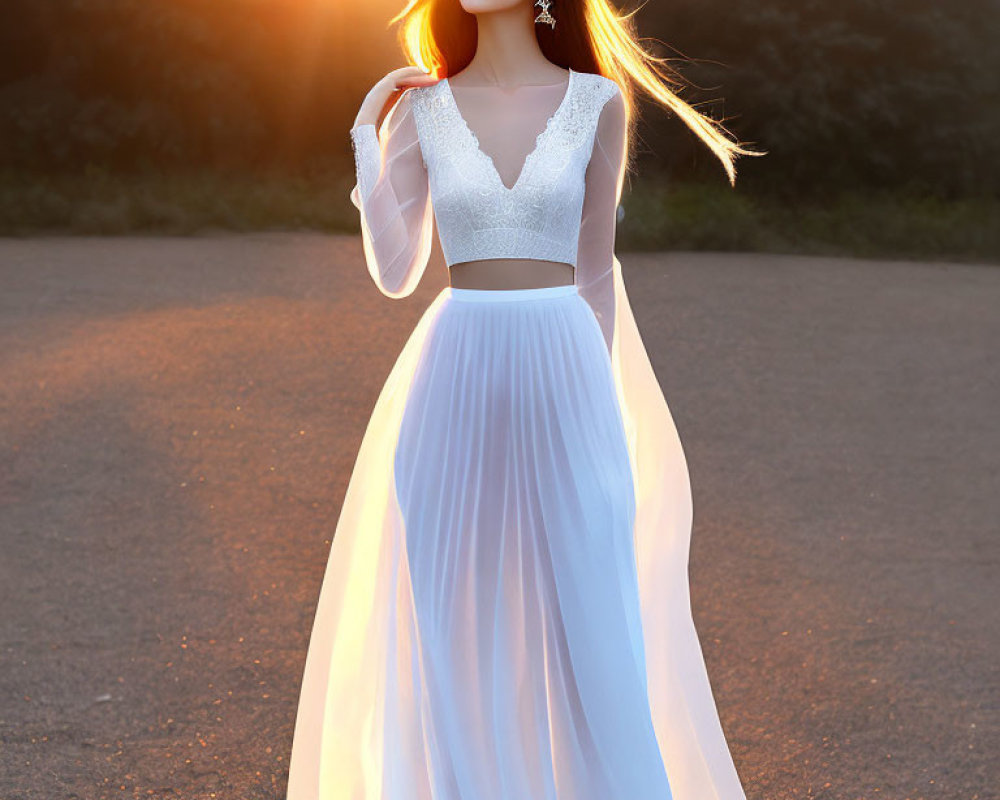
(505, 613)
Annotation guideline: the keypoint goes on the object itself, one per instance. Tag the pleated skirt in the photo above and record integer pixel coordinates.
(513, 479)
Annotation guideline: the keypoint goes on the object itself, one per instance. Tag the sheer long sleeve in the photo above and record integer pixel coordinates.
(604, 179)
(393, 197)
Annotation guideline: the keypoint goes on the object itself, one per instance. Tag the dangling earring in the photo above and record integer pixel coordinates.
(545, 16)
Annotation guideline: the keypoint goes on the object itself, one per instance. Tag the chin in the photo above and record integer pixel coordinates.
(491, 6)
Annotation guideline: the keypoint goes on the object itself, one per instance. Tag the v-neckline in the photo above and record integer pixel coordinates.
(538, 139)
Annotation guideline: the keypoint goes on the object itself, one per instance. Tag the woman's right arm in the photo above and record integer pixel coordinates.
(393, 197)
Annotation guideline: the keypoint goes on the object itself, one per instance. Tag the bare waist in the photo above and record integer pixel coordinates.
(510, 273)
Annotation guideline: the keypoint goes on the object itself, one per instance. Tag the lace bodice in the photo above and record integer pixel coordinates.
(427, 163)
(478, 216)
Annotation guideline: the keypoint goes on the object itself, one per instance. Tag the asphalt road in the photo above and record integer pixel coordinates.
(179, 422)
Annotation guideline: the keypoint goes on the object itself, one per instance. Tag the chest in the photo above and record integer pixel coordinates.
(518, 154)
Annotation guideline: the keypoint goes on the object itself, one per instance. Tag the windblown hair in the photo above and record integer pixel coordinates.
(440, 36)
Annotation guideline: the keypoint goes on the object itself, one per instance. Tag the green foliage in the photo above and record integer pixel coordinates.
(129, 84)
(848, 94)
(179, 202)
(860, 95)
(660, 215)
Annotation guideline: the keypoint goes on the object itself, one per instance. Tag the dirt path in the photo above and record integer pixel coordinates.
(180, 418)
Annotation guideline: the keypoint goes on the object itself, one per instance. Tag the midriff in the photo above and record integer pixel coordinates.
(510, 273)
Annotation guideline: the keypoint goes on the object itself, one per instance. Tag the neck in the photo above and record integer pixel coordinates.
(507, 52)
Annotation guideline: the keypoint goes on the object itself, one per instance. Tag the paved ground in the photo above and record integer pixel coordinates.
(179, 421)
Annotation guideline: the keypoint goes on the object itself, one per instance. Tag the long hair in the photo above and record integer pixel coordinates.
(440, 37)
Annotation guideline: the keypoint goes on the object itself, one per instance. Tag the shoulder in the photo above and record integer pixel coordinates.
(420, 95)
(610, 101)
(407, 98)
(414, 102)
(605, 96)
(604, 87)
(426, 104)
(611, 85)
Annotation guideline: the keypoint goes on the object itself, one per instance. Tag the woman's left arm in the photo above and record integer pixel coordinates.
(604, 180)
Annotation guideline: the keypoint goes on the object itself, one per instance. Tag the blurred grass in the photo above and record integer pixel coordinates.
(903, 224)
(99, 202)
(658, 214)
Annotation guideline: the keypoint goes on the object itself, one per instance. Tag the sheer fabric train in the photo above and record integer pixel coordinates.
(358, 733)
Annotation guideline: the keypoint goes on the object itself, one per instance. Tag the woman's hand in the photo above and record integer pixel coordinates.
(381, 96)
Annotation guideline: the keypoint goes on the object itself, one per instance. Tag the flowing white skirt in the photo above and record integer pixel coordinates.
(505, 612)
(513, 478)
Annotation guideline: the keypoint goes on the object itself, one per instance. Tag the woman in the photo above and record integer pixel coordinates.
(505, 613)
